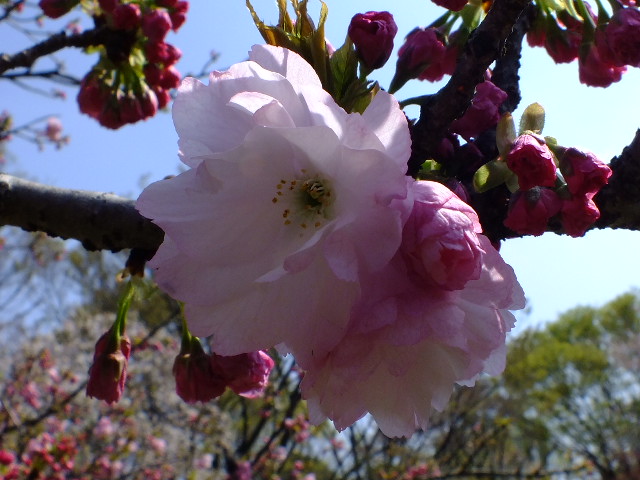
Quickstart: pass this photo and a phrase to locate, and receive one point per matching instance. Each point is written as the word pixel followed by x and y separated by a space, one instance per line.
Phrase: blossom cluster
pixel 544 193
pixel 132 81
pixel 605 45
pixel 295 226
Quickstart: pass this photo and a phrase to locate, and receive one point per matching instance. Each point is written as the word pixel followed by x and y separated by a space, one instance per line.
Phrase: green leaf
pixel 490 175
pixel 344 68
pixel 532 119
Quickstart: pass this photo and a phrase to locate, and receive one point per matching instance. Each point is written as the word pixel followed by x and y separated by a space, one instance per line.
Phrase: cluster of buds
pixel 549 183
pixel 132 79
pixel 201 377
pixel 604 44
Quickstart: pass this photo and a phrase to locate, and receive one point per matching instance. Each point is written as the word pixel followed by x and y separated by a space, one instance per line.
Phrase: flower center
pixel 307 201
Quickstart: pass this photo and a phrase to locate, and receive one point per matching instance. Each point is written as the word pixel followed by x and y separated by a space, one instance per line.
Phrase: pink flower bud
pixel 578 214
pixel 483 113
pixel 372 33
pixel 127 16
pixel 453 5
pixel 595 71
pixel 532 161
pixel 156 24
pixel 178 15
pixel 57 8
pixel 530 211
pixel 92 96
pixel 149 103
pixel 108 373
pixel 130 109
pixel 440 239
pixel 562 45
pixel 163 53
pixel 422 47
pixel 584 172
pixel 170 78
pixel 246 374
pixel 6 457
pixel 162 96
pixel 53 130
pixel 196 380
pixel 622 36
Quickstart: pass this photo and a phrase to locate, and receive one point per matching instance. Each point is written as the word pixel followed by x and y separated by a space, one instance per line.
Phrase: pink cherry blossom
pixel 407 344
pixel 269 231
pixel 596 71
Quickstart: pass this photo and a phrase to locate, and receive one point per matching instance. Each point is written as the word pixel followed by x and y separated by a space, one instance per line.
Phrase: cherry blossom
pixel 288 202
pixel 409 343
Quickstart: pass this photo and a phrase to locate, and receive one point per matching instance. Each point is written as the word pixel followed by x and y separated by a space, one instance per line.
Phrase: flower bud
pixel 372 33
pixel 622 36
pixel 246 374
pixel 196 380
pixel 422 47
pixel 530 211
pixel 57 8
pixel 584 172
pixel 532 162
pixel 453 5
pixel 483 113
pixel 596 71
pixel 156 24
pixel 578 214
pixel 108 373
pixel 179 15
pixel 441 238
pixel 127 16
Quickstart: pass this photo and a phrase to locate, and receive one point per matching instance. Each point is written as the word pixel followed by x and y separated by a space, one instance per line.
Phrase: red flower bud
pixel 127 16
pixel 530 211
pixel 578 214
pixel 179 15
pixel 532 162
pixel 246 374
pixel 196 379
pixel 454 5
pixel 57 8
pixel 108 373
pixel 584 172
pixel 372 33
pixel 156 24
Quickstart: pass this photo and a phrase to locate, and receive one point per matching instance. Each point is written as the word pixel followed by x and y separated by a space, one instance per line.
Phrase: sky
pixel 556 272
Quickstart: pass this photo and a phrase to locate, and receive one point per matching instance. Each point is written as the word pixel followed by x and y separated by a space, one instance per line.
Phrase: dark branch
pixel 482 48
pixel 619 201
pixel 26 58
pixel 101 221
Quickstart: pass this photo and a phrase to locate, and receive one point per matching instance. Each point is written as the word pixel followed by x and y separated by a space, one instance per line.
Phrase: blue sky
pixel 556 272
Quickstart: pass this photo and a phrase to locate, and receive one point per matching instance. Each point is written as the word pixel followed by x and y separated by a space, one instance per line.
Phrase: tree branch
pixel 619 201
pixel 26 58
pixel 482 48
pixel 101 221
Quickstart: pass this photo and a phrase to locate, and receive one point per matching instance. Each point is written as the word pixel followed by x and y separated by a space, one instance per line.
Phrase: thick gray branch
pixel 101 221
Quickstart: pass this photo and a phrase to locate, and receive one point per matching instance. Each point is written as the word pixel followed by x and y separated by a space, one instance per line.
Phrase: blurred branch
pixel 101 221
pixel 26 58
pixel 482 48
